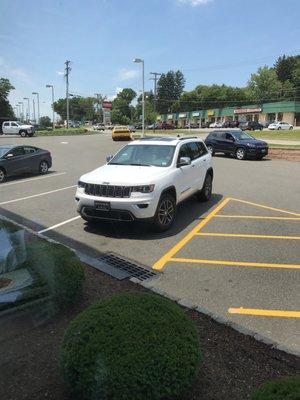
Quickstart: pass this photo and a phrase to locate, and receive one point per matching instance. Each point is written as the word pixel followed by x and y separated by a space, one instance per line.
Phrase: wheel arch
pixel 170 190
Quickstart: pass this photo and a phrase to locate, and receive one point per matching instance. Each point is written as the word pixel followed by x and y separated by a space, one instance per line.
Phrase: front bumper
pixel 257 151
pixel 121 209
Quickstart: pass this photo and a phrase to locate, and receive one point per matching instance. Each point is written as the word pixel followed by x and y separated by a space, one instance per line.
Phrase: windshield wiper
pixel 140 165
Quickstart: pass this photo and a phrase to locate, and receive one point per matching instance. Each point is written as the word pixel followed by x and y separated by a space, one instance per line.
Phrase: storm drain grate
pixel 133 269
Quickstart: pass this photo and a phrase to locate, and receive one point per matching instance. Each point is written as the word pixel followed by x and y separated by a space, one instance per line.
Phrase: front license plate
pixel 102 205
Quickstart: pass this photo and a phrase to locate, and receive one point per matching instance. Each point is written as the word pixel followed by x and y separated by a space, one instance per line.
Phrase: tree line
pixel 268 84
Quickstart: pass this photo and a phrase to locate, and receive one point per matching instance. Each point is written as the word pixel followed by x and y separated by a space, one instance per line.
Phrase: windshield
pixel 3 150
pixel 145 155
pixel 242 136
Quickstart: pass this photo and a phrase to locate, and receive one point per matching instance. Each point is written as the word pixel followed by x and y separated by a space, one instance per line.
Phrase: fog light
pixel 142 205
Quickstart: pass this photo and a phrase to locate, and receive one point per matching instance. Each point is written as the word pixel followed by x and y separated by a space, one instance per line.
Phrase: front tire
pixel 210 149
pixel 2 175
pixel 43 167
pixel 240 153
pixel 279 128
pixel 205 193
pixel 290 128
pixel 23 133
pixel 165 213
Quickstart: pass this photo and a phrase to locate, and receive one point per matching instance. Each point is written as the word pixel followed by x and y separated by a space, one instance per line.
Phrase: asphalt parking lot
pixel 237 256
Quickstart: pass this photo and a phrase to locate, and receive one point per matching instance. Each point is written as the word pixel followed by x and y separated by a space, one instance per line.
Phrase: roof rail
pixel 187 137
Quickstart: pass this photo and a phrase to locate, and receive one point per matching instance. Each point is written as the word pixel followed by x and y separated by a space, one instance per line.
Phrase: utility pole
pixel 156 75
pixel 33 105
pixel 98 104
pixel 67 71
pixel 38 106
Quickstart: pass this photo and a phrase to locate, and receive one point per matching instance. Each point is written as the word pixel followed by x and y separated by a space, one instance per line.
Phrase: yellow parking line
pixel 265 313
pixel 166 257
pixel 256 217
pixel 233 263
pixel 262 206
pixel 242 235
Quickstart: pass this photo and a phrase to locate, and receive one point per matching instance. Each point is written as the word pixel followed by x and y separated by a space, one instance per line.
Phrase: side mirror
pixel 109 157
pixel 9 155
pixel 184 161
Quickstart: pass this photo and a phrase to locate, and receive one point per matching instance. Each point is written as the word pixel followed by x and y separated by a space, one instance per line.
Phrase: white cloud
pixel 11 72
pixel 113 96
pixel 194 3
pixel 127 74
pixel 60 72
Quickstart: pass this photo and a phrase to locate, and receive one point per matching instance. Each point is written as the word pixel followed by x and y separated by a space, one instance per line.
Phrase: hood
pixel 124 175
pixel 26 126
pixel 257 142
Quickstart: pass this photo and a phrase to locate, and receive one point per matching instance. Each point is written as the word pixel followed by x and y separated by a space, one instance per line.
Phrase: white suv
pixel 146 179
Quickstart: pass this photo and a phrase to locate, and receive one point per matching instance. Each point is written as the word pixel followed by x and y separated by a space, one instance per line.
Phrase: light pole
pixel 53 122
pixel 33 112
pixel 38 106
pixel 22 104
pixel 139 60
pixel 28 105
pixel 19 110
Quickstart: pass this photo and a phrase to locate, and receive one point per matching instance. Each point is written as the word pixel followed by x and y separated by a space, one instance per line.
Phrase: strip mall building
pixel 287 111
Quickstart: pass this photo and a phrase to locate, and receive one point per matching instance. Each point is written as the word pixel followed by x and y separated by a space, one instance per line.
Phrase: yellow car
pixel 121 133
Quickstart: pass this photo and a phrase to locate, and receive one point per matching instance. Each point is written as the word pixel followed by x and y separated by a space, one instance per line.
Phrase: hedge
pixel 64 132
pixel 132 346
pixel 287 388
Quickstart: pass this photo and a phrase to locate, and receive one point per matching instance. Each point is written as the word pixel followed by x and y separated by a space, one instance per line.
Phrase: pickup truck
pixel 16 128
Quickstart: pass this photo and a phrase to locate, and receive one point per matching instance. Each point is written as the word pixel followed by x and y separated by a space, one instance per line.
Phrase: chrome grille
pixel 107 190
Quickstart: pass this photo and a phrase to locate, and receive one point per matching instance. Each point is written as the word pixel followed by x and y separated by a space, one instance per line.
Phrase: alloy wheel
pixel 43 167
pixel 240 154
pixel 2 175
pixel 166 212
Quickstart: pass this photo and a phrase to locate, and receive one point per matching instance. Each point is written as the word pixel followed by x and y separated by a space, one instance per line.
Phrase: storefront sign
pixel 170 116
pixel 106 104
pixel 182 115
pixel 210 113
pixel 247 110
pixel 196 114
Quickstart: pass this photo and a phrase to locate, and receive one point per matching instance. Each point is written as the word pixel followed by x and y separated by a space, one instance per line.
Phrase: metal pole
pixel 53 121
pixel 38 107
pixel 33 110
pixel 143 100
pixel 156 75
pixel 68 69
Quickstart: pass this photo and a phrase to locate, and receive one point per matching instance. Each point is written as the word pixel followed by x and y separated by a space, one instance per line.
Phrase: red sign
pixel 106 104
pixel 246 110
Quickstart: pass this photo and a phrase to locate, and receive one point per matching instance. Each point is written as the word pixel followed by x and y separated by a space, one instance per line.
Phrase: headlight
pixel 250 145
pixel 143 189
pixel 81 184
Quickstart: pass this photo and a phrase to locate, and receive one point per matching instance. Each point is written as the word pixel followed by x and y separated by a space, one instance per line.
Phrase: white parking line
pixel 60 224
pixel 32 179
pixel 36 195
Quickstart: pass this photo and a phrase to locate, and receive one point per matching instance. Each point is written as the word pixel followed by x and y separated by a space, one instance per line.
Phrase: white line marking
pixel 36 195
pixel 60 224
pixel 31 179
pixel 64 142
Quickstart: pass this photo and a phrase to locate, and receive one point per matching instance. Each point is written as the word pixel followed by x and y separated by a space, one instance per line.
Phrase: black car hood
pixel 253 141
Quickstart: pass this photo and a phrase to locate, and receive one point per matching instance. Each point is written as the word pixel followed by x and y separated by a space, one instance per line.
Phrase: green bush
pixel 61 270
pixel 128 347
pixel 63 132
pixel 279 389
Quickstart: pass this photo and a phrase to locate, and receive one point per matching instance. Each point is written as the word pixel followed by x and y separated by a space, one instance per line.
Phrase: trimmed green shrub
pixel 63 132
pixel 287 388
pixel 60 269
pixel 132 346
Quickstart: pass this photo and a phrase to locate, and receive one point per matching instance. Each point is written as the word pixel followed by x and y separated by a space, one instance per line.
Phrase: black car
pixel 17 160
pixel 250 126
pixel 230 124
pixel 237 143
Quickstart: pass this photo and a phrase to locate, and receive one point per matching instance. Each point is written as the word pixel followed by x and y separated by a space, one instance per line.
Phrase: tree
pixel 150 115
pixel 121 107
pixel 169 88
pixel 45 121
pixel 80 108
pixel 265 86
pixel 5 108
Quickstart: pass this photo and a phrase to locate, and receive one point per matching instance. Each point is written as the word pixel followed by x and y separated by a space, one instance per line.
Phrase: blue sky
pixel 211 41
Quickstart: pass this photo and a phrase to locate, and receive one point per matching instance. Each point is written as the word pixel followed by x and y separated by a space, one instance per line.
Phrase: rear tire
pixel 205 193
pixel 43 167
pixel 240 153
pixel 165 213
pixel 2 175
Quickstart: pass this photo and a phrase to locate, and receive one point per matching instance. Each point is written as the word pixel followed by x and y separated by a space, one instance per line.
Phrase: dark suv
pixel 250 126
pixel 237 143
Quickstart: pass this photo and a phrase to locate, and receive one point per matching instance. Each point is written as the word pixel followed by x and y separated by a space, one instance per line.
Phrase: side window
pixel 222 135
pixel 228 136
pixel 29 150
pixel 18 151
pixel 194 150
pixel 202 148
pixel 184 151
pixel 13 124
pixel 6 124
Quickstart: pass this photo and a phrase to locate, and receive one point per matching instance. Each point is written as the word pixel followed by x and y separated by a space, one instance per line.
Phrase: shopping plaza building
pixel 287 111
